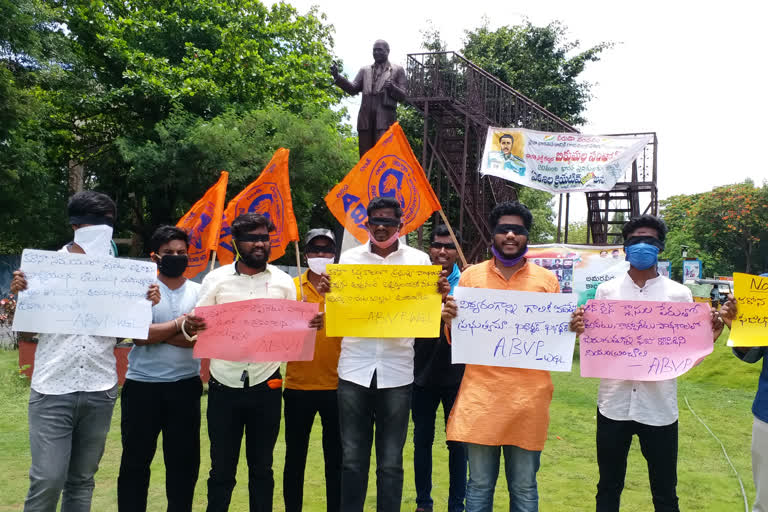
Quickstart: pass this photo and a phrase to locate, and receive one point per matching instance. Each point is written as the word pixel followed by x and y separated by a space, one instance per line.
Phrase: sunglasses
pixel 384 221
pixel 447 247
pixel 503 229
pixel 252 238
pixel 320 249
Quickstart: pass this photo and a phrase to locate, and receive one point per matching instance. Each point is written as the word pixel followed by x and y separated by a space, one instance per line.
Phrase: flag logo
pixel 270 196
pixel 396 173
pixel 197 228
pixel 269 203
pixel 391 177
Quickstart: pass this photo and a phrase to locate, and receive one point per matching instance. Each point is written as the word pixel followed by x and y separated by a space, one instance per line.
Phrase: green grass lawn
pixel 720 391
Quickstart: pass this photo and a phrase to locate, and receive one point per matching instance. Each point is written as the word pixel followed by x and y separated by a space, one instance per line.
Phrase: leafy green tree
pixel 123 91
pixel 188 153
pixel 206 56
pixel 727 226
pixel 32 163
pixel 154 57
pixel 537 61
pixel 577 233
pixel 540 203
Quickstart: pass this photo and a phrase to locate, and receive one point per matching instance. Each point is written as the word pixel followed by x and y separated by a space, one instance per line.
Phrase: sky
pixel 693 72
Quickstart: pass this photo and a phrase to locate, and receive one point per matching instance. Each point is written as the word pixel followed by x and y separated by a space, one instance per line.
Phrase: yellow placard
pixel 383 301
pixel 750 328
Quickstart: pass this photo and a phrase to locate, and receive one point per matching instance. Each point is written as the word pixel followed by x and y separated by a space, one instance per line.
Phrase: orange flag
pixel 203 223
pixel 269 195
pixel 388 169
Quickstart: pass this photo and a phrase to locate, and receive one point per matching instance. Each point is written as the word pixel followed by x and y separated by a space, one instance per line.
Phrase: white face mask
pixel 95 240
pixel 317 265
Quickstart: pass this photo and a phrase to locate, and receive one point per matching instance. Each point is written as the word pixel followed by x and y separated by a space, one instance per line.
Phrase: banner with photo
pixel 580 269
pixel 691 270
pixel 559 162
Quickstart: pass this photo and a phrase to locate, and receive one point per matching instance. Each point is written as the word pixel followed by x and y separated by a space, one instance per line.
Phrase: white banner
pixel 514 329
pixel 77 294
pixel 559 162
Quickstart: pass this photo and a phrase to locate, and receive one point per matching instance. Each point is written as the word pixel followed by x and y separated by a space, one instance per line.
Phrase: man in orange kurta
pixel 502 409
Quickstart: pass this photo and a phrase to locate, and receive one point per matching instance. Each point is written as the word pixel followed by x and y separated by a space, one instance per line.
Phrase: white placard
pixel 78 294
pixel 514 329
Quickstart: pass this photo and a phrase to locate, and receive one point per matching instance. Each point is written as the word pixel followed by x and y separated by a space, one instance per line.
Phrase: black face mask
pixel 173 265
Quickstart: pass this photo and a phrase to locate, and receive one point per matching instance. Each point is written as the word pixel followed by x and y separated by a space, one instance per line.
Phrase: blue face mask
pixel 642 256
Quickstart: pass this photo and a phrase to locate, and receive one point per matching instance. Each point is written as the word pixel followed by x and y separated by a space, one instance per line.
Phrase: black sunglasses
pixel 438 245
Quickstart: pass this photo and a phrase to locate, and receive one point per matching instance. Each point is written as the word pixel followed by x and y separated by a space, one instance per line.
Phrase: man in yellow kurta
pixel 502 409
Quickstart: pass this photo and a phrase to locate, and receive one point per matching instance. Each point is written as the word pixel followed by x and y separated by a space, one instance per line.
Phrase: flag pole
pixel 453 237
pixel 298 265
pixel 213 259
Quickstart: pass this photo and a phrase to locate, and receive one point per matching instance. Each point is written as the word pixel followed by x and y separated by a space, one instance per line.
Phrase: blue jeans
pixel 426 400
pixel 520 466
pixel 360 408
pixel 66 440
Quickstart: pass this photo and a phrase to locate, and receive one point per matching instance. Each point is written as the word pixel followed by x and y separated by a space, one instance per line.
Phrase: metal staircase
pixel 607 211
pixel 459 101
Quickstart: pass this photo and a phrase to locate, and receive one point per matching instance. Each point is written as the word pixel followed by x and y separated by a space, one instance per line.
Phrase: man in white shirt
pixel 645 408
pixel 74 383
pixel 376 376
pixel 245 396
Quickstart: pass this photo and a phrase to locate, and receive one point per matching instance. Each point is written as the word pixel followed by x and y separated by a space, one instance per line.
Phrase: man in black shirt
pixel 437 380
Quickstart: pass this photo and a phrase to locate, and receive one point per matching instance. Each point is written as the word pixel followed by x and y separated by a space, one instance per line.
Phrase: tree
pixel 726 226
pixel 121 90
pixel 242 143
pixel 152 58
pixel 533 60
pixel 577 233
pixel 32 164
pixel 537 61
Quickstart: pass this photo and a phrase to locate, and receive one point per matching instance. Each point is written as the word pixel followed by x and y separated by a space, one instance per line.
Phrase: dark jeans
pixel 424 409
pixel 232 411
pixel 659 447
pixel 359 409
pixel 66 441
pixel 149 408
pixel 300 409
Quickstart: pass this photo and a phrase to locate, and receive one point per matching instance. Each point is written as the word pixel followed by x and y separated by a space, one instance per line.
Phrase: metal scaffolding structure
pixel 458 102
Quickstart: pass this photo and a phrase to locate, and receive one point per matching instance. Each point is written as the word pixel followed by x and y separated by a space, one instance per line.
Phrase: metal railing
pixel 449 76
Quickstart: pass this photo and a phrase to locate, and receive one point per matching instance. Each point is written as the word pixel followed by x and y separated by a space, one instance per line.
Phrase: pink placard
pixel 252 331
pixel 639 340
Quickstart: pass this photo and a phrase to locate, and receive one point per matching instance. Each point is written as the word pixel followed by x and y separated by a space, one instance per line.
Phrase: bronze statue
pixel 383 84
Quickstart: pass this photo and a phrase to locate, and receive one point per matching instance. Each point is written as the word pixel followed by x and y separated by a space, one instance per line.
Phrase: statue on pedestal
pixel 383 84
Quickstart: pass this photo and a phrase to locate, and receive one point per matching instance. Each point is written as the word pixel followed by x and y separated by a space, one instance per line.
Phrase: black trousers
pixel 659 447
pixel 360 408
pixel 426 400
pixel 231 411
pixel 149 408
pixel 300 409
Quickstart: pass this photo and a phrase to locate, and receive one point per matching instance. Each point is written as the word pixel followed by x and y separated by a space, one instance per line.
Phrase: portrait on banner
pixel 507 152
